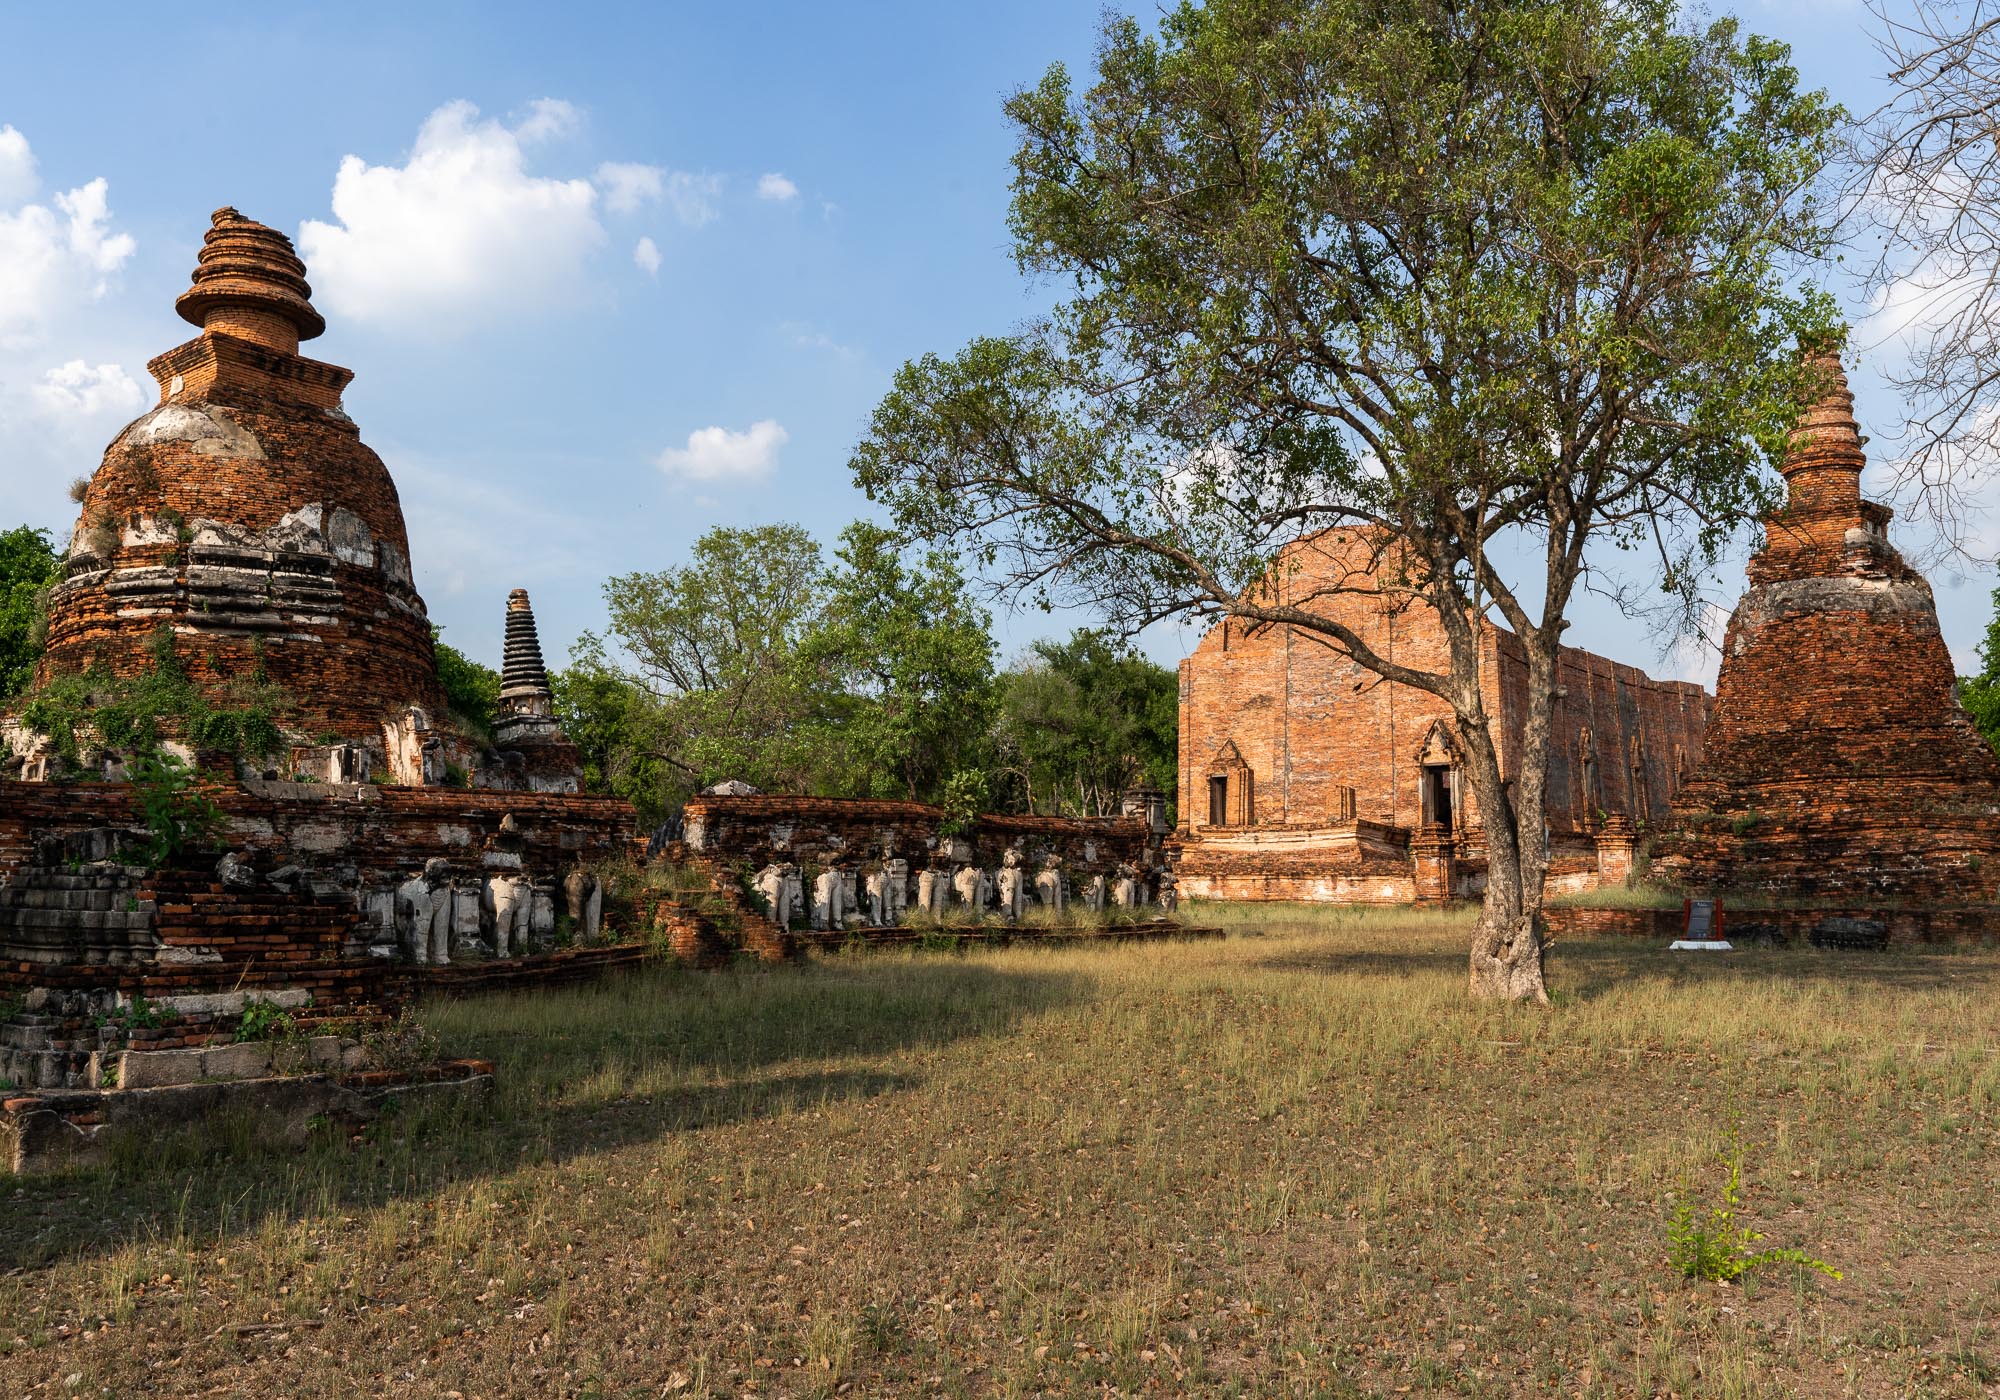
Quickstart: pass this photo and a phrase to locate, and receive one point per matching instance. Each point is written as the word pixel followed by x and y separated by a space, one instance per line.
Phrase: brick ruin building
pixel 1839 771
pixel 240 530
pixel 1305 776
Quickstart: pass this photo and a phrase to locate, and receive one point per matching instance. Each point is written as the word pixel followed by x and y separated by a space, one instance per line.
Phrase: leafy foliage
pixel 1082 721
pixel 179 816
pixel 1980 694
pixel 265 1020
pixel 964 798
pixel 909 659
pixel 239 716
pixel 1713 1245
pixel 756 659
pixel 471 689
pixel 29 563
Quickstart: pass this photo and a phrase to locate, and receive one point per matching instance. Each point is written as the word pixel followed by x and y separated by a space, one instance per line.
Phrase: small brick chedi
pixel 1839 769
pixel 1305 776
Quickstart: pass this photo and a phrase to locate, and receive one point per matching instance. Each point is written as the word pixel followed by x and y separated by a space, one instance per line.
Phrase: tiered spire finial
pixel 249 283
pixel 1825 459
pixel 524 683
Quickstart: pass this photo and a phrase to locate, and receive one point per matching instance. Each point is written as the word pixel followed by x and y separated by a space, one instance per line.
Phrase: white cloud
pixel 777 187
pixel 808 337
pixel 51 258
pixel 627 185
pixel 460 232
pixel 647 255
pixel 548 118
pixel 17 169
pixel 692 197
pixel 79 390
pixel 718 454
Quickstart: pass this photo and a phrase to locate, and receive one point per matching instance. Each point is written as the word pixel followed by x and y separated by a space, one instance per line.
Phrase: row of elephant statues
pixel 504 912
pixel 885 894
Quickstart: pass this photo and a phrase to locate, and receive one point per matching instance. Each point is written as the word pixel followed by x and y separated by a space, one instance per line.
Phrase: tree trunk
pixel 1507 946
pixel 1506 962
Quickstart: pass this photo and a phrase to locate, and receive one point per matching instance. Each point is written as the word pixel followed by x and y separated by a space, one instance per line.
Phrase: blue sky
pixel 820 191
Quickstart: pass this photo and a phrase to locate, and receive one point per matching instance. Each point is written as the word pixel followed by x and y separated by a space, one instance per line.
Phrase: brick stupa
pixel 1838 766
pixel 245 513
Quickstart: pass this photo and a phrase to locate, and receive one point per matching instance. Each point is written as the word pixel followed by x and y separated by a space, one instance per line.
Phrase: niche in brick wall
pixel 1230 798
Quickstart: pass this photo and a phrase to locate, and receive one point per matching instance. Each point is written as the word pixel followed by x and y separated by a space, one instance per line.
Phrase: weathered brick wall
pixel 353 845
pixel 1311 724
pixel 1309 721
pixel 849 834
pixel 387 833
pixel 1838 764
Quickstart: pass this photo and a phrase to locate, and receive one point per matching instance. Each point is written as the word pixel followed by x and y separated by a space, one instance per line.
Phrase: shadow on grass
pixel 580 1071
pixel 1585 969
pixel 1588 968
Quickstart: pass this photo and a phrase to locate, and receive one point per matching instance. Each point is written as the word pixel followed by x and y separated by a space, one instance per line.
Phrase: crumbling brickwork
pixel 1303 775
pixel 753 831
pixel 1839 765
pixel 245 513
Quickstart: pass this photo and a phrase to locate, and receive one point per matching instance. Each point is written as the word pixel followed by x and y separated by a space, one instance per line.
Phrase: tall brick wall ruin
pixel 1839 765
pixel 1341 767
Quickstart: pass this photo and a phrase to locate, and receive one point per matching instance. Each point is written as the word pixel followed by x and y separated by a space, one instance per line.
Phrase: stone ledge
pixel 76 1129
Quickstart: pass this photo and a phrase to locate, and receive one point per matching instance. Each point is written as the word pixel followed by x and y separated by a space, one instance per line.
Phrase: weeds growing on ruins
pixel 1497 286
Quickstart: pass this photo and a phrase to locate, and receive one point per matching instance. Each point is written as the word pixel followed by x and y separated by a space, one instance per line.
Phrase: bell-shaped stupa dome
pixel 244 515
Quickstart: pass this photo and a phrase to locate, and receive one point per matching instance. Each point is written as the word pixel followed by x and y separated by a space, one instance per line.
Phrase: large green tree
pixel 1493 282
pixel 29 563
pixel 757 659
pixel 910 658
pixel 1981 693
pixel 714 647
pixel 1084 720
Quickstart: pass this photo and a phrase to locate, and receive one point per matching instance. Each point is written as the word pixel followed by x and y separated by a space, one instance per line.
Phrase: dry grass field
pixel 1293 1162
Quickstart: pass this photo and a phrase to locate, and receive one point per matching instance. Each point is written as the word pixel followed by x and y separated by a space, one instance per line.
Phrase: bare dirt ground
pixel 1295 1162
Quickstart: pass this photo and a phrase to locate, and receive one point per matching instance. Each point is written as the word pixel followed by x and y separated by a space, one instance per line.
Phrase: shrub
pixel 1714 1246
pixel 265 1020
pixel 177 814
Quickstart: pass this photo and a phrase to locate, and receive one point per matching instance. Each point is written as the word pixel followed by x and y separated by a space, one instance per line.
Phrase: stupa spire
pixel 248 283
pixel 1824 462
pixel 524 683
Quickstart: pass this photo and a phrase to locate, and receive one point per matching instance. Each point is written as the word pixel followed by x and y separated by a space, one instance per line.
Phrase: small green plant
pixel 140 1015
pixel 265 1020
pixel 939 941
pixel 178 815
pixel 1713 1245
pixel 964 798
pixel 1742 825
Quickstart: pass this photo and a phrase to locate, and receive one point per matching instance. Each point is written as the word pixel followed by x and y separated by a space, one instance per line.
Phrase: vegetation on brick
pixel 134 713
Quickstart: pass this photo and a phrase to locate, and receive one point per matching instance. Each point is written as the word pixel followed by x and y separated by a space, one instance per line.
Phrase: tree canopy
pixel 29 563
pixel 1083 721
pixel 869 676
pixel 1488 283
